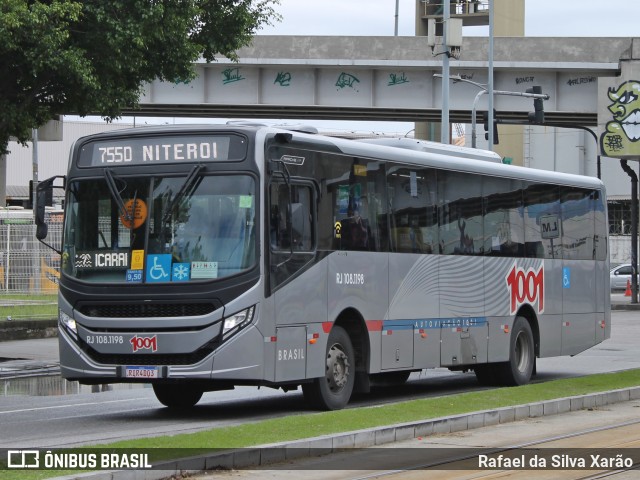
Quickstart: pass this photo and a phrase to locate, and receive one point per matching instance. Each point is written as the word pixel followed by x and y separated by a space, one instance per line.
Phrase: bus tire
pixel 177 396
pixel 519 368
pixel 333 391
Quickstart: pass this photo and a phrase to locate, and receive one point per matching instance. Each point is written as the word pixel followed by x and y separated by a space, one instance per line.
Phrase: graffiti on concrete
pixel 397 79
pixel 231 75
pixel 347 80
pixel 283 79
pixel 623 131
pixel 581 80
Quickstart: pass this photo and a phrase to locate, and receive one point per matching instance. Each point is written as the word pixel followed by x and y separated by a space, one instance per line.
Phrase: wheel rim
pixel 523 353
pixel 338 368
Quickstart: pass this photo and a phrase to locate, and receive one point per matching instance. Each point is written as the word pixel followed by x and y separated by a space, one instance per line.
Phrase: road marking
pixel 72 405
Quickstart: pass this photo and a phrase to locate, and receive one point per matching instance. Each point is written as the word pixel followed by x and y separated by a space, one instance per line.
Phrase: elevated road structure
pixel 391 79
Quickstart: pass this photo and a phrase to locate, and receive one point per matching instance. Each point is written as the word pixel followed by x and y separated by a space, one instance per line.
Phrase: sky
pixel 543 18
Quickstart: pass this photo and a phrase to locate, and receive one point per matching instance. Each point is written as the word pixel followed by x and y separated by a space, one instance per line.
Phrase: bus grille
pixel 147 310
pixel 167 359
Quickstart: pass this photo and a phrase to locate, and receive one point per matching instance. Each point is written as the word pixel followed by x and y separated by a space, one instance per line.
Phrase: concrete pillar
pixel 508 22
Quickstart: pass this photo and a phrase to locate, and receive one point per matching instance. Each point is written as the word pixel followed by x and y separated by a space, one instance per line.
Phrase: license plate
pixel 141 372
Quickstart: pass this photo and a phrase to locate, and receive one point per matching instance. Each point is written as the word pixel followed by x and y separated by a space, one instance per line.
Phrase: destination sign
pixel 163 149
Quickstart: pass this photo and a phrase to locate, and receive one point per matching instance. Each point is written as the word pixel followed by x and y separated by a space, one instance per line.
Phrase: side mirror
pixel 41 231
pixel 44 197
pixel 41 203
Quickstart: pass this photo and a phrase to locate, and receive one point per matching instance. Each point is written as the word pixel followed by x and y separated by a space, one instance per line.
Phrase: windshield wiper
pixel 188 183
pixel 115 194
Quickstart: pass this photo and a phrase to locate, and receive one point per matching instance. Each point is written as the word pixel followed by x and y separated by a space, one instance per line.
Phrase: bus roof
pixel 412 151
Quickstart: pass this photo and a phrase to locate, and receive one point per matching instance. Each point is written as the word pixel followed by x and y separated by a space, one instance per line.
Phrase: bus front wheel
pixel 177 396
pixel 519 368
pixel 333 391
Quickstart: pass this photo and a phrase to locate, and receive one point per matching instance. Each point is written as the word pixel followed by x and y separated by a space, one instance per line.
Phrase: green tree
pixel 94 56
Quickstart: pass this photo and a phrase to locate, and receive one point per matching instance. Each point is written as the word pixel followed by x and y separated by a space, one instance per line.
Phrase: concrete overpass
pixel 391 79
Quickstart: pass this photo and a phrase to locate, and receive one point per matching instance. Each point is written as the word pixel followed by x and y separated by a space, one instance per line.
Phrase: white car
pixel 619 276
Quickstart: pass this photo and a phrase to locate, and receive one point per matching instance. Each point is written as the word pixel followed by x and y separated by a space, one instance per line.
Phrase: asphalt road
pixel 46 412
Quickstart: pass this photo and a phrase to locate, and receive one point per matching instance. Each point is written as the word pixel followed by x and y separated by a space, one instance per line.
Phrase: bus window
pixel 290 224
pixel 460 202
pixel 542 221
pixel 413 218
pixel 503 221
pixel 601 240
pixel 357 193
pixel 577 224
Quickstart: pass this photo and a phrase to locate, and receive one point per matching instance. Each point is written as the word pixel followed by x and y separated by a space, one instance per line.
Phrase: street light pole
pixel 490 76
pixel 395 30
pixel 444 126
pixel 483 90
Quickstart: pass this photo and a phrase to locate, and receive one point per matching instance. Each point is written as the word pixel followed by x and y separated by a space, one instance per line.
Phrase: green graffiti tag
pixel 283 79
pixel 347 80
pixel 623 131
pixel 397 79
pixel 231 75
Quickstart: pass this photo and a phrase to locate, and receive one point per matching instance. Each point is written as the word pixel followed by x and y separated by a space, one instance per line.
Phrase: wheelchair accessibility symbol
pixel 159 268
pixel 566 277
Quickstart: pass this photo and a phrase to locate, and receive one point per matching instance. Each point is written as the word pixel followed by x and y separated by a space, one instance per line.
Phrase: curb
pixel 260 456
pixel 28 329
pixel 625 306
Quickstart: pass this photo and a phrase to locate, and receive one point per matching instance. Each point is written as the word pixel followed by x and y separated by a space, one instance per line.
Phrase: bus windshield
pixel 159 229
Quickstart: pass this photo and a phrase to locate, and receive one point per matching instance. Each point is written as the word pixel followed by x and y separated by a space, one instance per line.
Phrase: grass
pixel 296 427
pixel 28 307
pixel 301 426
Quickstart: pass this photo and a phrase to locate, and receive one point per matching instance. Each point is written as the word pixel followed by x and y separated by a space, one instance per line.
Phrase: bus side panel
pixel 302 301
pixel 462 310
pixel 497 306
pixel 360 281
pixel 603 302
pixel 579 305
pixel 550 320
pixel 415 303
pixel 501 291
pixel 266 325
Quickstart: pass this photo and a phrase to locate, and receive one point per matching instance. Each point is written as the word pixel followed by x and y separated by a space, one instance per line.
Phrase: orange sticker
pixel 139 213
pixel 137 259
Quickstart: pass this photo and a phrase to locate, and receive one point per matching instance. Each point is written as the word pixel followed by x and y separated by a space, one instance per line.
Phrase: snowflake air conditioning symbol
pixel 180 272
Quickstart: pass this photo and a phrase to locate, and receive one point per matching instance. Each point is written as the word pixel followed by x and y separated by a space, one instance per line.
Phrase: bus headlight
pixel 236 322
pixel 68 322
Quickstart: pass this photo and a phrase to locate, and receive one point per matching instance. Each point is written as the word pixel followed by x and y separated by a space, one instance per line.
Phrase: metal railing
pixel 27 266
pixel 458 7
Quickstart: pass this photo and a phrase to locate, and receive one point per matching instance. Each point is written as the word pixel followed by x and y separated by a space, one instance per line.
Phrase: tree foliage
pixel 94 56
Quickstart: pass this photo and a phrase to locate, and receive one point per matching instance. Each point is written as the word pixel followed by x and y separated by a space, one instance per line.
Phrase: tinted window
pixel 503 217
pixel 460 205
pixel 542 221
pixel 291 217
pixel 577 224
pixel 600 225
pixel 413 210
pixel 358 204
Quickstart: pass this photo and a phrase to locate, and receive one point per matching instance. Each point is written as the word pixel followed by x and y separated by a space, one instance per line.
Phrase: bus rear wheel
pixel 333 391
pixel 177 396
pixel 519 368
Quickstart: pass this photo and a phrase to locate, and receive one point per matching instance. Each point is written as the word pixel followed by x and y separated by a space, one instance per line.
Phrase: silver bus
pixel 198 258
